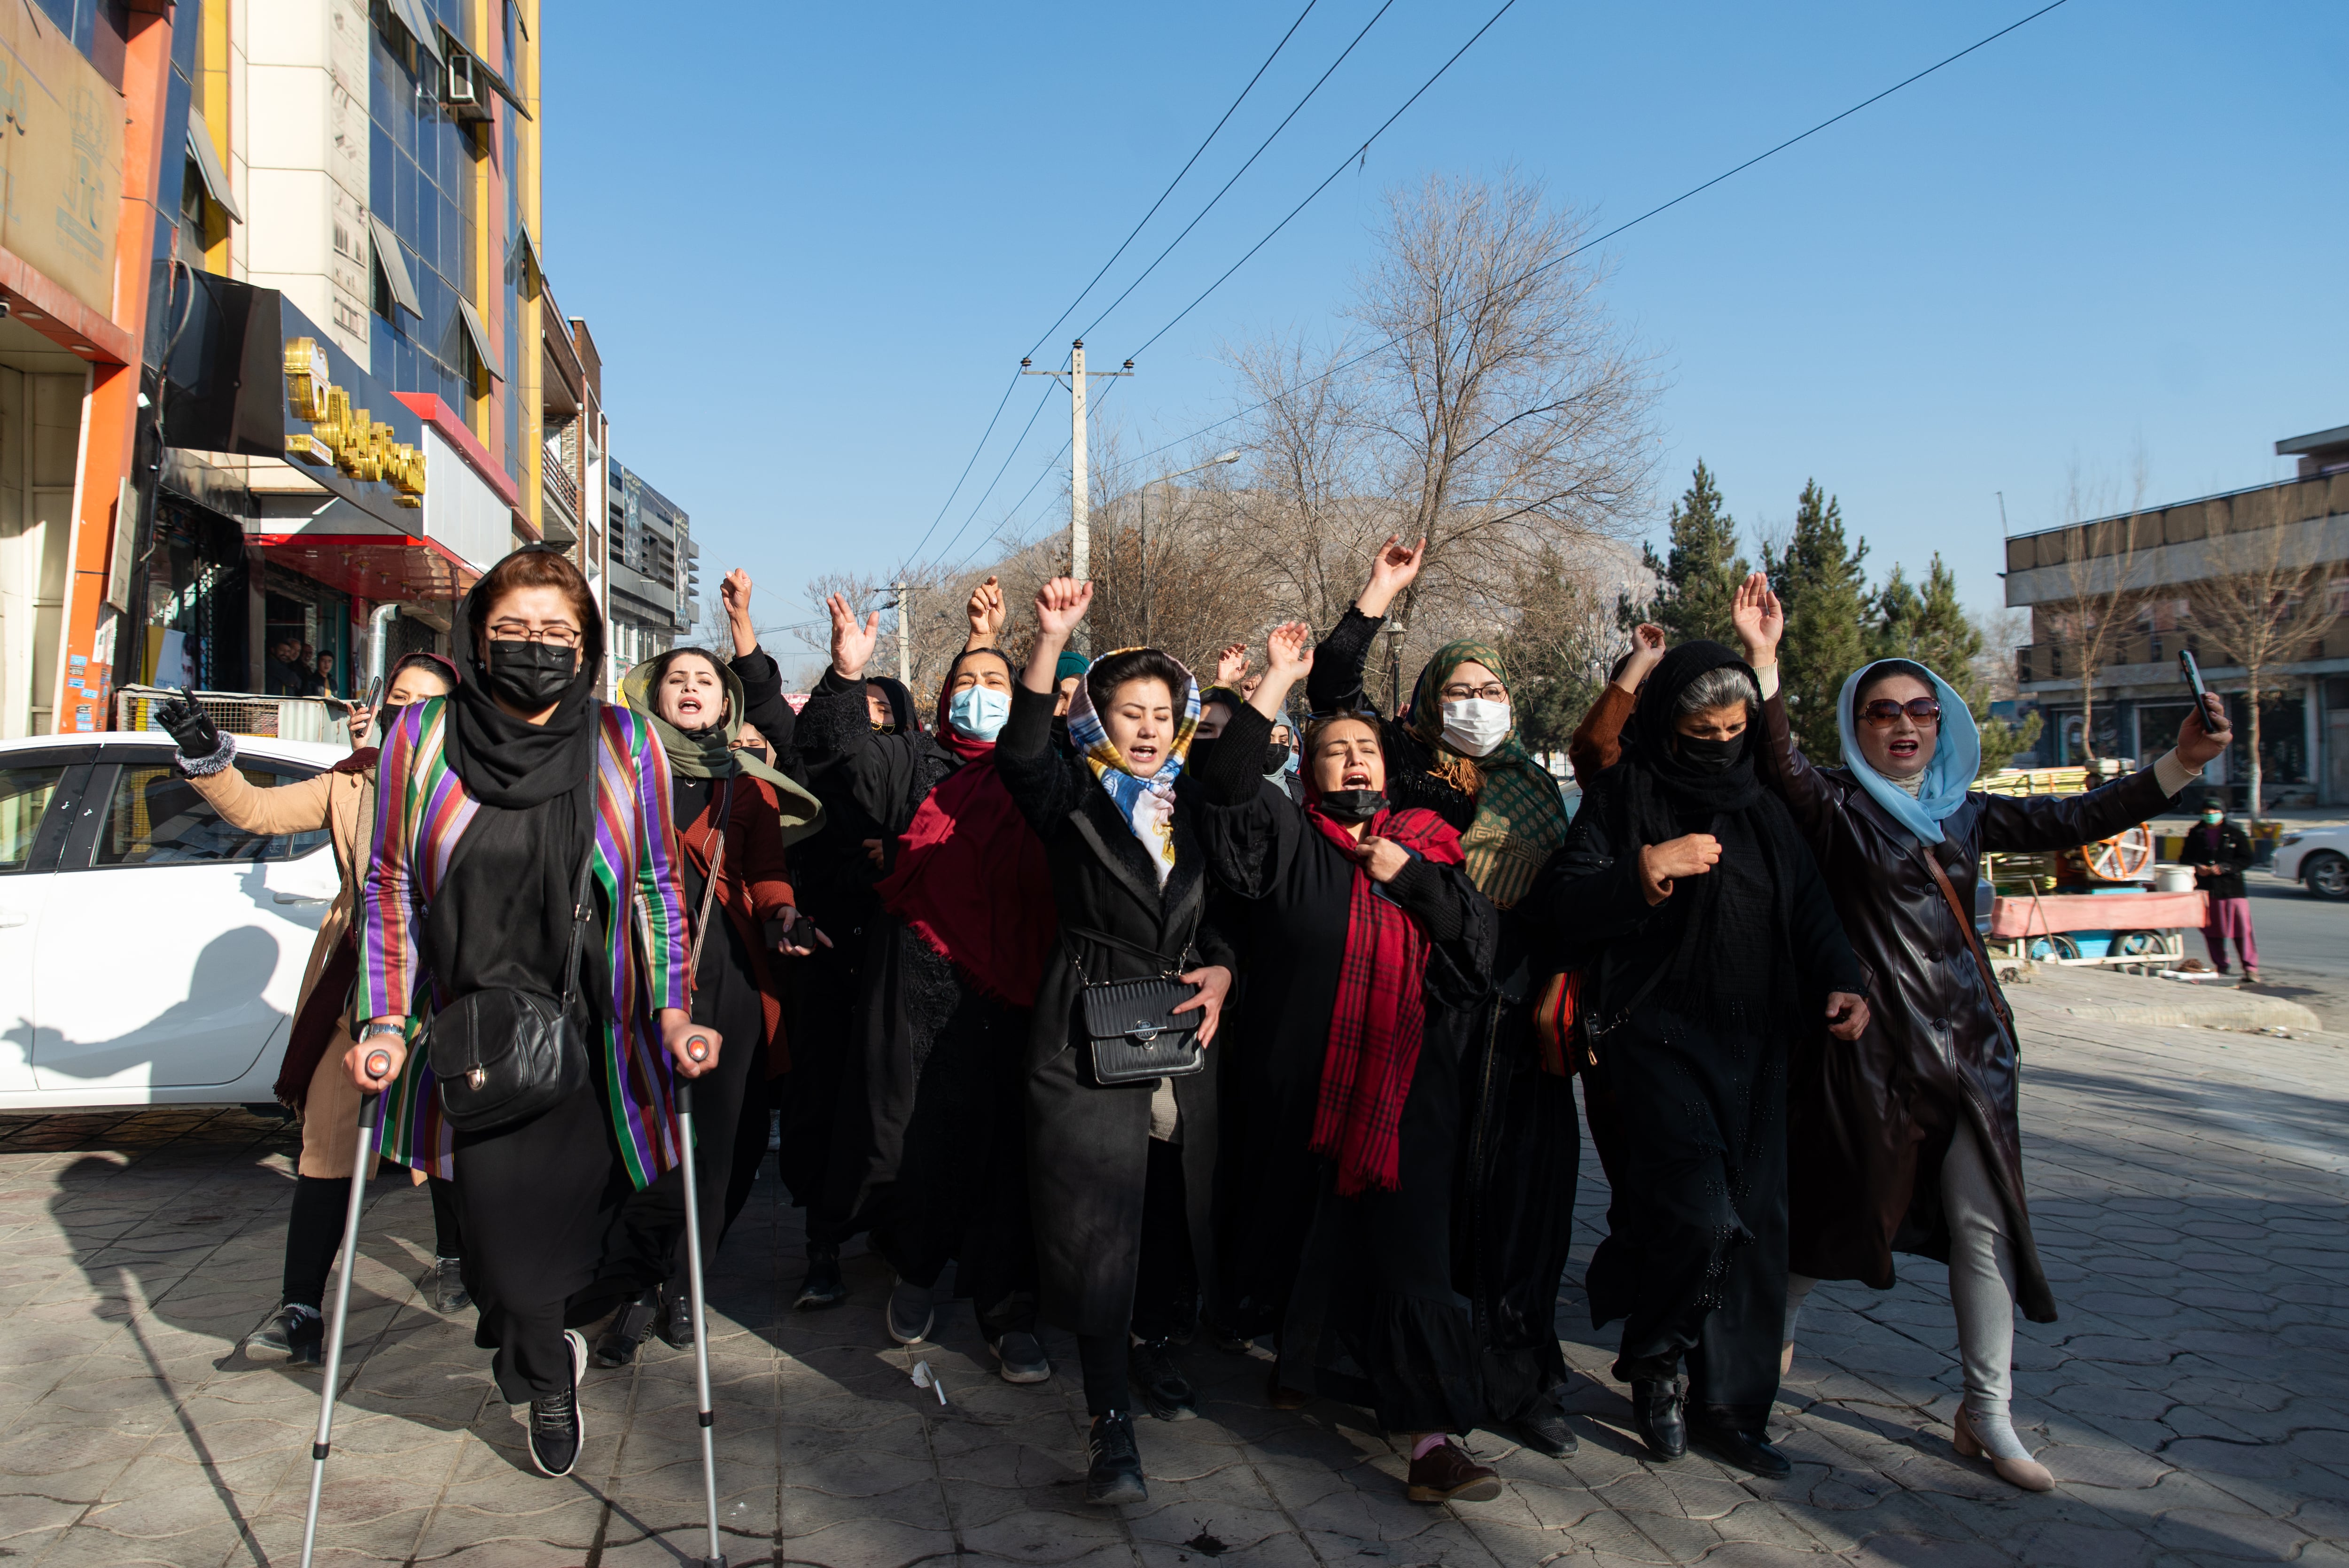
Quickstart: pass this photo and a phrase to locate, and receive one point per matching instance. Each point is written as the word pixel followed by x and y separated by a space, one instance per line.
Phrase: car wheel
pixel 2326 875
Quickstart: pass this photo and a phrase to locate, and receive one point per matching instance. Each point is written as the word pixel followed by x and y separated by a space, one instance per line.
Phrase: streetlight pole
pixel 1230 456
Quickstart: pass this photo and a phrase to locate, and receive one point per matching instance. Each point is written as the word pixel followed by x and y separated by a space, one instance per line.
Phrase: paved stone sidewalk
pixel 2189 1185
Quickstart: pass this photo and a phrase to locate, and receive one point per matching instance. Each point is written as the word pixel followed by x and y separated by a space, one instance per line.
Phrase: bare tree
pixel 934 625
pixel 2100 571
pixel 2268 596
pixel 1309 523
pixel 1504 410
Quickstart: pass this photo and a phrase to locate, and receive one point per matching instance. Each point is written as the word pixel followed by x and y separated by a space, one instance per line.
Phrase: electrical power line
pixel 1620 227
pixel 1242 170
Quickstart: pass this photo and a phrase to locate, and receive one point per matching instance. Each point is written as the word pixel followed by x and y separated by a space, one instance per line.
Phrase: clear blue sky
pixel 813 242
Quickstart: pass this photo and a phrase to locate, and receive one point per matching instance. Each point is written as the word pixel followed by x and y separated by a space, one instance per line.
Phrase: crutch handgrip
pixel 696 1047
pixel 378 1065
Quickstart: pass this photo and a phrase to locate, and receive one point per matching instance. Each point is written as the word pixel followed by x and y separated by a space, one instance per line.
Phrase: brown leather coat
pixel 1869 1122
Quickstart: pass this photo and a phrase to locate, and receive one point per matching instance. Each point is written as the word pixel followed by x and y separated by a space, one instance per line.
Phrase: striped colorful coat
pixel 423 810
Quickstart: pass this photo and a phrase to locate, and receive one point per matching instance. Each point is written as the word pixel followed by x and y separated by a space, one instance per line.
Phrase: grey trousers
pixel 1982 1277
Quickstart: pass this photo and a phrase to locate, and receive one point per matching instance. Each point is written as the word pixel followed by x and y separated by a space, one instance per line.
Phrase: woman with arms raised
pixel 500 802
pixel 1911 1138
pixel 927 1141
pixel 1688 897
pixel 1361 1030
pixel 1120 1174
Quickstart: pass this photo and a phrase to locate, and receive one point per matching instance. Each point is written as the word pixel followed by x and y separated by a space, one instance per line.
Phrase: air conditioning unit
pixel 463 90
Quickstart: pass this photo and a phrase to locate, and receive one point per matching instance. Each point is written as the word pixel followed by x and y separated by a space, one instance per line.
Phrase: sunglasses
pixel 1884 713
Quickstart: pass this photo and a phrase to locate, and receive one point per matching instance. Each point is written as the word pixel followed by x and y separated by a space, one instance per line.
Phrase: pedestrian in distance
pixel 312 1082
pixel 1121 1171
pixel 1908 1137
pixel 1354 1051
pixel 927 1145
pixel 2220 853
pixel 1687 897
pixel 734 816
pixel 528 825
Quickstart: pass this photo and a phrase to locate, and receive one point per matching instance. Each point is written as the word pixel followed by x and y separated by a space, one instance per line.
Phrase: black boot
pixel 677 1315
pixel 1657 1409
pixel 1166 1392
pixel 1114 1476
pixel 1543 1429
pixel 1739 1437
pixel 822 1287
pixel 619 1344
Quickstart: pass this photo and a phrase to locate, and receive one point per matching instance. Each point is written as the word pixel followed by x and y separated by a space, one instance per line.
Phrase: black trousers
pixel 1166 1285
pixel 314 1232
pixel 540 1203
pixel 826 989
pixel 651 1249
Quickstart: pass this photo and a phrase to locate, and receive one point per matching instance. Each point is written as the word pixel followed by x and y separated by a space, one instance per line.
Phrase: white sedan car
pixel 2317 859
pixel 150 952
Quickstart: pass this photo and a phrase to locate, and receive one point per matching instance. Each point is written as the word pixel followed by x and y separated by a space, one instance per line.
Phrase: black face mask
pixel 530 675
pixel 1202 747
pixel 1276 757
pixel 1063 747
pixel 1712 755
pixel 1352 805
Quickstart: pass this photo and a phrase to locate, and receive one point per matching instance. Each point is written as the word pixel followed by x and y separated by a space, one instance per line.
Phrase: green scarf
pixel 709 753
pixel 1520 820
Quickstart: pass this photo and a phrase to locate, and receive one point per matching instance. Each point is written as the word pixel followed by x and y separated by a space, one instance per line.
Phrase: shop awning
pixel 395 266
pixel 481 336
pixel 377 566
pixel 210 170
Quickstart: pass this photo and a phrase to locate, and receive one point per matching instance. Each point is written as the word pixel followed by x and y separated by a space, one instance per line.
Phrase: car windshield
pixel 156 818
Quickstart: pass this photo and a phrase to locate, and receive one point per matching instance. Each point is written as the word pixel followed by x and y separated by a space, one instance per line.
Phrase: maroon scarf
pixel 970 877
pixel 1377 1023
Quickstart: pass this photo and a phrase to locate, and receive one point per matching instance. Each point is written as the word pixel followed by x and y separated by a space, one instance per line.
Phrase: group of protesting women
pixel 1156 1015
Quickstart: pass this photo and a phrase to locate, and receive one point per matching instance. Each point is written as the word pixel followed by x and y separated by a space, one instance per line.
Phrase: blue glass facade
pixel 419 167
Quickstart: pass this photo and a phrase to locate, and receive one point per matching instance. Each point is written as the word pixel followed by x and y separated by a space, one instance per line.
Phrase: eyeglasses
pixel 1491 691
pixel 1884 713
pixel 558 636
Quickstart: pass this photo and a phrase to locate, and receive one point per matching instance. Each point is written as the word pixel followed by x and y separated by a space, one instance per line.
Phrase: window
pixel 23 800
pixel 156 818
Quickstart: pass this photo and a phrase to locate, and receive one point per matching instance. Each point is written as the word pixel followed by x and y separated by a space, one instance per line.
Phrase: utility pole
pixel 905 591
pixel 1080 533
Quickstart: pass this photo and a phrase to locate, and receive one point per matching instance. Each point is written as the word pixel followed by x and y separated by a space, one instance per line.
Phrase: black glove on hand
pixel 189 725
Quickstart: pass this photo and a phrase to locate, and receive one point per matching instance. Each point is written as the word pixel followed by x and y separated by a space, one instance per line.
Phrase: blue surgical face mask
pixel 979 713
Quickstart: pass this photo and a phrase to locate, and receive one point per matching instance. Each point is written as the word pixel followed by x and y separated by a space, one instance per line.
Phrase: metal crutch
pixel 378 1066
pixel 697 1046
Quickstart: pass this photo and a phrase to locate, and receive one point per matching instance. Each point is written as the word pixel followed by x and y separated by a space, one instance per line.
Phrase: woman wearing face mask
pixel 1689 898
pixel 1120 1175
pixel 2220 853
pixel 927 1145
pixel 734 814
pixel 312 1082
pixel 495 798
pixel 1363 1021
pixel 1911 1138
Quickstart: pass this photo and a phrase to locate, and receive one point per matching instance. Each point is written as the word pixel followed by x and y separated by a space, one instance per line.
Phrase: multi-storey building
pixel 654 580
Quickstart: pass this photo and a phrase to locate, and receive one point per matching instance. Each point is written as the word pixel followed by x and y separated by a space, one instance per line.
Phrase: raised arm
pixel 835 741
pixel 1335 685
pixel 1761 622
pixel 2027 823
pixel 1044 787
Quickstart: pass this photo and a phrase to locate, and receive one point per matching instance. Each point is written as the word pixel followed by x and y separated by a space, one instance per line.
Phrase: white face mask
pixel 978 712
pixel 1474 726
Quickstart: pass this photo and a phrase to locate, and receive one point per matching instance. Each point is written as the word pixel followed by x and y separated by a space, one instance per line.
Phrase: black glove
pixel 189 725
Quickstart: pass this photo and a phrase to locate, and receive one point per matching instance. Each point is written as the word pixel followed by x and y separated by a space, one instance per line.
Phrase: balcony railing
pixel 560 484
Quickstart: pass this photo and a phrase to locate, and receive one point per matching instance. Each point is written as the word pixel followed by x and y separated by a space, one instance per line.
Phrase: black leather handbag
pixel 1136 1032
pixel 502 1056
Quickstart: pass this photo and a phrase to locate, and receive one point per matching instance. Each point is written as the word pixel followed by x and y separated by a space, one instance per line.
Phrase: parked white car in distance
pixel 2317 859
pixel 150 952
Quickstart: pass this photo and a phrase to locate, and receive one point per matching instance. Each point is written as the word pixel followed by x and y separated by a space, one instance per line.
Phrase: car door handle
pixel 301 898
pixel 13 917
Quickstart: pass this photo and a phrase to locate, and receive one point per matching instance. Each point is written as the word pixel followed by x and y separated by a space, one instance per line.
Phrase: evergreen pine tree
pixel 1933 629
pixel 1824 589
pixel 1697 578
pixel 1556 660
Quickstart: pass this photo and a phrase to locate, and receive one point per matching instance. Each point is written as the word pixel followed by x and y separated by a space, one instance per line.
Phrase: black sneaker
pixel 557 1430
pixel 1020 1356
pixel 1166 1392
pixel 297 1332
pixel 822 1287
pixel 447 1284
pixel 619 1344
pixel 912 1313
pixel 1115 1475
pixel 676 1318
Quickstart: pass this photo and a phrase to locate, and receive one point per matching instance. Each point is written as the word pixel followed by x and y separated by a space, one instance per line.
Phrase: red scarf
pixel 970 878
pixel 1378 1024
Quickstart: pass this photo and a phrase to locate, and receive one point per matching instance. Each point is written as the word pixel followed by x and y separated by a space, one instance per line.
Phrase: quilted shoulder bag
pixel 502 1055
pixel 1135 1030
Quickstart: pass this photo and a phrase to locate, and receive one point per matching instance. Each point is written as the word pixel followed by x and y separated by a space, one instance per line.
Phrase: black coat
pixel 1872 1118
pixel 1334 685
pixel 2227 848
pixel 1088 1144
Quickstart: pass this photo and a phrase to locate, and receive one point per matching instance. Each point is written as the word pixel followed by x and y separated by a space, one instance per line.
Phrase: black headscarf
pixel 900 700
pixel 510 762
pixel 1723 952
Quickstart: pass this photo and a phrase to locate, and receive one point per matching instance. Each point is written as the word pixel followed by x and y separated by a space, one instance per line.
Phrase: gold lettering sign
pixel 342 436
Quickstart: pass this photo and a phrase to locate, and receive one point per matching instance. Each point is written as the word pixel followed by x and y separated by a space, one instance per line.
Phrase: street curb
pixel 2107 998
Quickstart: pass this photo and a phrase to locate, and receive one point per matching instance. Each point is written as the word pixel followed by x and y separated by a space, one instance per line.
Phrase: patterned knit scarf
pixel 1520 820
pixel 1380 1018
pixel 1147 804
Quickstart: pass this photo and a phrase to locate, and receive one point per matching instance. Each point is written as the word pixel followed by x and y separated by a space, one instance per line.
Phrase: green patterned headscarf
pixel 710 753
pixel 1520 820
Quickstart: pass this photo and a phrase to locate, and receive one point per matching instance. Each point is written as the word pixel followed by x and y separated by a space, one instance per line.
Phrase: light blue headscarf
pixel 1957 757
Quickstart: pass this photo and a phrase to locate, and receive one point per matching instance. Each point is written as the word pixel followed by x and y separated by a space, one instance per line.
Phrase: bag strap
pixel 710 886
pixel 1167 966
pixel 1966 931
pixel 578 924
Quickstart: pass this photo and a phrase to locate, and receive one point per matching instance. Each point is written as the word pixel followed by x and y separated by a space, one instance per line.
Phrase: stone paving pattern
pixel 2194 1399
